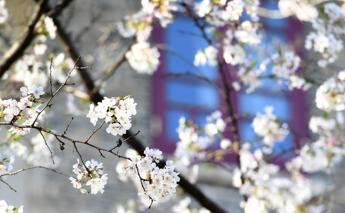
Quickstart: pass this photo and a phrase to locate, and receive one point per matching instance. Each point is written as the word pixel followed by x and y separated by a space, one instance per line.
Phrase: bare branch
pixel 26 169
pixel 67 127
pixel 31 168
pixel 48 147
pixel 7 184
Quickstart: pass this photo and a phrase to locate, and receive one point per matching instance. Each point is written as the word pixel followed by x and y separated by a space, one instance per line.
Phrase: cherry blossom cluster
pixel 266 190
pixel 194 140
pixel 89 177
pixel 161 10
pixel 326 39
pixel 330 96
pixel 233 46
pixel 320 155
pixel 5 208
pixel 137 25
pixel 234 42
pixel 208 56
pixel 328 149
pixel 143 57
pixel 269 128
pixel 248 76
pixel 23 111
pixel 284 63
pixel 33 69
pixel 21 115
pixel 219 13
pixel 302 9
pixel 157 184
pixel 116 112
pixel 45 29
pixel 285 66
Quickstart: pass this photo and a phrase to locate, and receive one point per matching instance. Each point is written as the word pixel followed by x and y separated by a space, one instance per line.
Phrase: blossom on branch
pixel 162 9
pixel 268 127
pixel 157 183
pixel 330 96
pixel 326 40
pixel 138 25
pixel 143 58
pixel 24 111
pixel 116 112
pixel 89 177
pixel 303 9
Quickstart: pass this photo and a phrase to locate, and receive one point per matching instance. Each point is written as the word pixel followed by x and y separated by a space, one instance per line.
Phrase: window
pixel 176 94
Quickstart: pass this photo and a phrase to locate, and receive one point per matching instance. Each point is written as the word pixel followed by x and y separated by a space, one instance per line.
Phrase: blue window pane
pixel 270 84
pixel 274 23
pixel 192 94
pixel 172 118
pixel 253 103
pixel 183 41
pixel 201 119
pixel 282 146
pixel 271 4
pixel 273 86
pixel 246 132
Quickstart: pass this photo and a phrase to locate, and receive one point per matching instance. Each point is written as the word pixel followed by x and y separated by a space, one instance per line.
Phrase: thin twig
pixel 48 147
pixel 67 127
pixel 7 184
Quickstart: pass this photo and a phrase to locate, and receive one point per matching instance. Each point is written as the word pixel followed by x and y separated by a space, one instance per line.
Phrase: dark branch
pixel 19 47
pixel 133 142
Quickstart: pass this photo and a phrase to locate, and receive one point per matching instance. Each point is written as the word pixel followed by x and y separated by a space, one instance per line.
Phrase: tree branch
pixel 19 47
pixel 133 142
pixel 64 37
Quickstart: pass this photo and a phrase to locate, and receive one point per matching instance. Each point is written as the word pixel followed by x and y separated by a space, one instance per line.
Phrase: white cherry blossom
pixel 116 112
pixel 5 208
pixel 330 96
pixel 268 127
pixel 89 177
pixel 143 58
pixel 159 184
